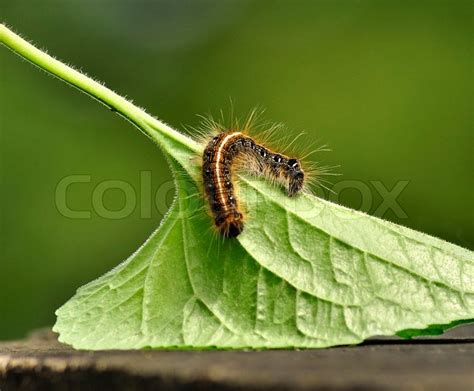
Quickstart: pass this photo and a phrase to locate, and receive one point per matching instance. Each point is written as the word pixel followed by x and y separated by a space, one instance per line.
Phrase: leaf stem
pixel 155 129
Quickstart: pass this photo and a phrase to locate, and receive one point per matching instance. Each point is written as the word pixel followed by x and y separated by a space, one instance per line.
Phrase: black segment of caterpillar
pixel 219 158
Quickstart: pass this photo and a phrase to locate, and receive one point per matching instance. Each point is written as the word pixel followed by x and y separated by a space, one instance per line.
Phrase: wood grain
pixel 40 362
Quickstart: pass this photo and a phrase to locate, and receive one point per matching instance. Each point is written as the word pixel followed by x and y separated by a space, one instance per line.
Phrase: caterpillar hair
pixel 219 160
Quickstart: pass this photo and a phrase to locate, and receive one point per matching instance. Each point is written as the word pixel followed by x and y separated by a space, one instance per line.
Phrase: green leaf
pixel 304 272
pixel 434 329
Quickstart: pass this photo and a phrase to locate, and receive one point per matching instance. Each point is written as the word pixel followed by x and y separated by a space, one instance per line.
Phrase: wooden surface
pixel 40 362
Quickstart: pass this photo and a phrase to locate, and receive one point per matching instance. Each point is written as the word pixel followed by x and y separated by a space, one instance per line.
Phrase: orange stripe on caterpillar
pixel 219 159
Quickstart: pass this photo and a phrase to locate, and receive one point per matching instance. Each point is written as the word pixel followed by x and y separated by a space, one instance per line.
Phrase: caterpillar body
pixel 220 159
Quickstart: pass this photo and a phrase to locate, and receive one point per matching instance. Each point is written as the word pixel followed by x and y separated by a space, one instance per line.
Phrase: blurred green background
pixel 386 84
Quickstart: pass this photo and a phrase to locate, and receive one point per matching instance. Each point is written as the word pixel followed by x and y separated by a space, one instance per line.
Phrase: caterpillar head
pixel 295 175
pixel 230 224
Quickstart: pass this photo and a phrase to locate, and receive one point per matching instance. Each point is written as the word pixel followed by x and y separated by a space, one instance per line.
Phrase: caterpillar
pixel 218 165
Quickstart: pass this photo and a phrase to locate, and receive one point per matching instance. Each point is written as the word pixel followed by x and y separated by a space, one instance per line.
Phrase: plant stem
pixel 152 127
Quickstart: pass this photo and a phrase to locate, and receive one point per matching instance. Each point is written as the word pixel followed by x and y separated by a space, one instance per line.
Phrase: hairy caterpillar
pixel 219 159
